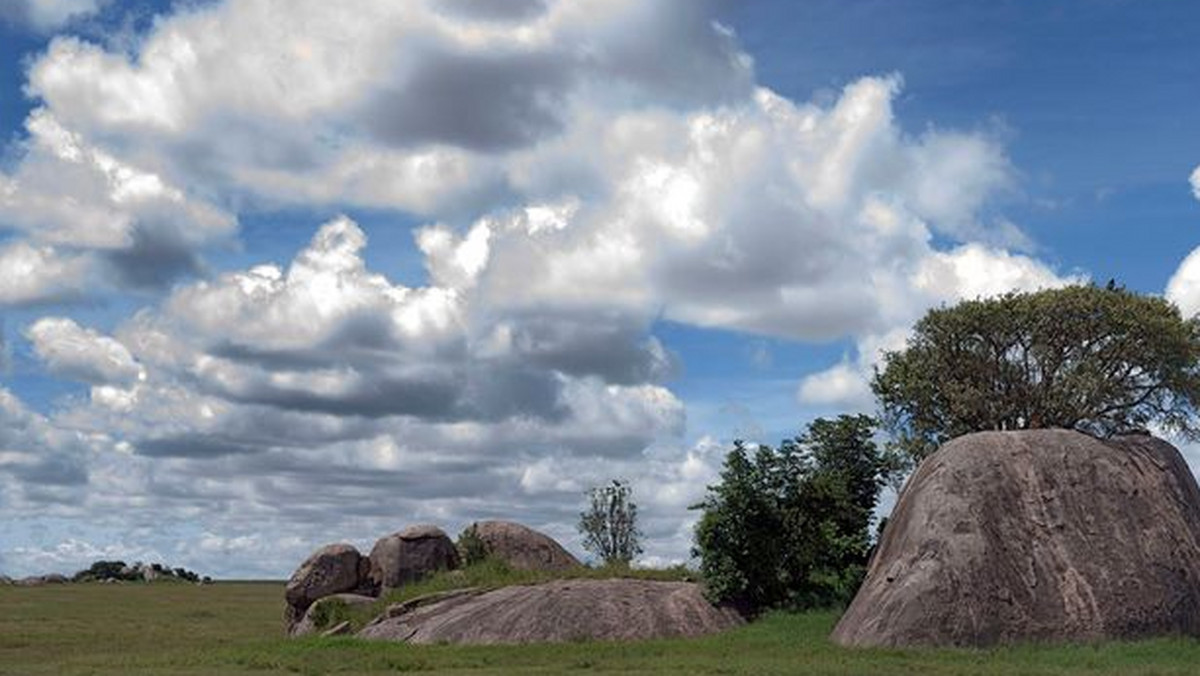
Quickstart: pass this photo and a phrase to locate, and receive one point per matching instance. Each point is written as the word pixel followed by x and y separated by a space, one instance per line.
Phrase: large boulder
pixel 1040 535
pixel 522 547
pixel 333 569
pixel 409 555
pixel 559 611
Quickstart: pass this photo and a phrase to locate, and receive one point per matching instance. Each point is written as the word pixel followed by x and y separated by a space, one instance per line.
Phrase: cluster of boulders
pixel 342 574
pixel 338 576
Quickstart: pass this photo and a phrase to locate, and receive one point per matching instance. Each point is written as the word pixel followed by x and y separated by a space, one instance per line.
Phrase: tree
pixel 790 527
pixel 471 548
pixel 609 525
pixel 1099 360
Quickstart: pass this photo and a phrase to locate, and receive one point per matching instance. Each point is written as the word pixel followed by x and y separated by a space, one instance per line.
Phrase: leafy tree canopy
pixel 1100 360
pixel 609 524
pixel 790 527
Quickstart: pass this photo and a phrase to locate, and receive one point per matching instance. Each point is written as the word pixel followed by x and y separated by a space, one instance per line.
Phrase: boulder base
pixel 523 548
pixel 1039 535
pixel 563 610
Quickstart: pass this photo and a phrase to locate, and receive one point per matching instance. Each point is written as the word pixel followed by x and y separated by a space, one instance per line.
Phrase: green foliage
pixel 106 570
pixel 609 525
pixel 471 548
pixel 1100 360
pixel 330 612
pixel 790 527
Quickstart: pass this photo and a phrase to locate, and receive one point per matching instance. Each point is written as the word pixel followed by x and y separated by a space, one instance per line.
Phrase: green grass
pixel 236 628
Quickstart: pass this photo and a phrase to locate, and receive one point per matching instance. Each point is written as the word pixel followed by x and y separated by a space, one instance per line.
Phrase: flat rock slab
pixel 559 611
pixel 1040 535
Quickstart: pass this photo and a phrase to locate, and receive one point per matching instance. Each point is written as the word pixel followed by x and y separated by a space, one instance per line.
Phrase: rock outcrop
pixel 522 547
pixel 333 569
pixel 409 555
pixel 41 580
pixel 1040 535
pixel 563 610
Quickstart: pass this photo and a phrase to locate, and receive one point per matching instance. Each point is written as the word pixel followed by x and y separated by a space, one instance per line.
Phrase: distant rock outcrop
pixel 1040 535
pixel 41 580
pixel 409 555
pixel 563 610
pixel 522 547
pixel 333 569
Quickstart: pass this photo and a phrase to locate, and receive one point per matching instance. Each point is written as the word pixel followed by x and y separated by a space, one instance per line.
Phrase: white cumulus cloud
pixel 75 352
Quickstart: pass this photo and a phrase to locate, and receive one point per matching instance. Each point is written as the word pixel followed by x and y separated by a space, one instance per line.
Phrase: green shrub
pixel 471 547
pixel 330 612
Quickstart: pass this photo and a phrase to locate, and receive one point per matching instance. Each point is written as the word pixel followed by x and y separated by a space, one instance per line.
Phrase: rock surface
pixel 563 610
pixel 332 569
pixel 1039 535
pixel 308 624
pixel 409 555
pixel 522 547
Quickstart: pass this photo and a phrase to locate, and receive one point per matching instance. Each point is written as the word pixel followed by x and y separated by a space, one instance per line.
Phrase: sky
pixel 275 274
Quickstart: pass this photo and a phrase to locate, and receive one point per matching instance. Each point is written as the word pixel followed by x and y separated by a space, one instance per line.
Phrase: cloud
pixel 493 11
pixel 800 221
pixel 969 271
pixel 34 275
pixel 582 169
pixel 484 103
pixel 41 458
pixel 1183 289
pixel 119 226
pixel 74 352
pixel 50 15
pixel 289 102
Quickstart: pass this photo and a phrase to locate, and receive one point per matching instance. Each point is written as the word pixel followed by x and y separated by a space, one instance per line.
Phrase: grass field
pixel 235 628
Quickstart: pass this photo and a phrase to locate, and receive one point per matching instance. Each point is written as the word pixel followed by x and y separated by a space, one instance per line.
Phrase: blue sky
pixel 279 274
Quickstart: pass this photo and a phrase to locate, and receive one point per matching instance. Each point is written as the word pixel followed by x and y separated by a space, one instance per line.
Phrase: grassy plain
pixel 235 628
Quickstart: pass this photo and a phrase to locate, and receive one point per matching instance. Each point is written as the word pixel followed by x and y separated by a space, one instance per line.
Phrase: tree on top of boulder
pixel 1103 361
